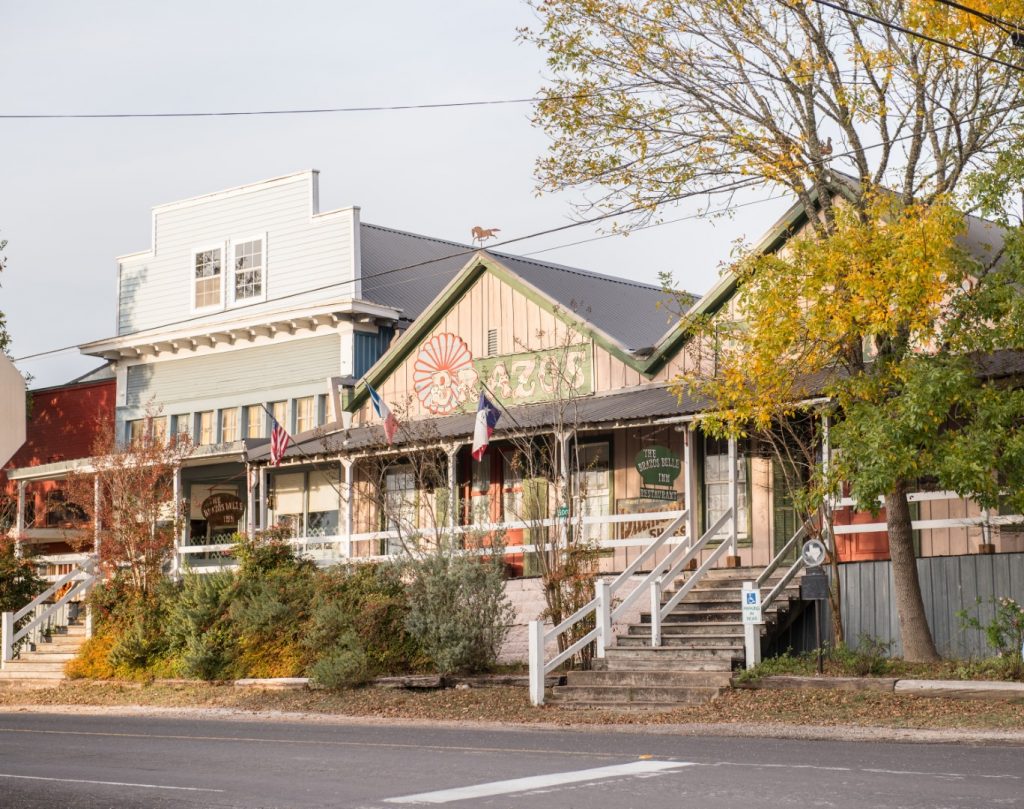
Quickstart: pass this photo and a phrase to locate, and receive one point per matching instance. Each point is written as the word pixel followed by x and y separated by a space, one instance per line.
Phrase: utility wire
pixel 920 35
pixel 734 186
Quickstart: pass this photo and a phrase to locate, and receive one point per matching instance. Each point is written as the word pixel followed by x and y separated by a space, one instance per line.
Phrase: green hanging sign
pixel 658 466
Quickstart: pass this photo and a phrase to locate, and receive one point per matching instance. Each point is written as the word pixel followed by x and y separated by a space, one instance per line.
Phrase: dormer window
pixel 247 263
pixel 207 279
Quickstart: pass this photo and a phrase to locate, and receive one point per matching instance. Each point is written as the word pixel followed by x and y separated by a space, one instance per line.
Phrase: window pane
pixel 204 428
pixel 248 265
pixel 254 421
pixel 304 414
pixel 229 425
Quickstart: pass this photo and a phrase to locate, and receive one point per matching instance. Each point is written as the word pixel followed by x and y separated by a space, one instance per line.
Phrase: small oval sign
pixel 222 509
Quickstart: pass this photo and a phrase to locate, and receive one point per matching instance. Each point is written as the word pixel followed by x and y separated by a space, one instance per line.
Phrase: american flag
pixel 279 441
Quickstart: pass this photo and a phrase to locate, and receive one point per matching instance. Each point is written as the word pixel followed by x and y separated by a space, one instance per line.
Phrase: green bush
pixel 458 609
pixel 869 659
pixel 345 665
pixel 196 625
pixel 1004 633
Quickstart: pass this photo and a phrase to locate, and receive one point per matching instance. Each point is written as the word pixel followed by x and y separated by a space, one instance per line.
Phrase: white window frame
pixel 230 251
pixel 223 247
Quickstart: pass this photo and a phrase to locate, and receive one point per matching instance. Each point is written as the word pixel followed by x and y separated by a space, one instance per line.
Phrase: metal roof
pixel 639 404
pixel 625 310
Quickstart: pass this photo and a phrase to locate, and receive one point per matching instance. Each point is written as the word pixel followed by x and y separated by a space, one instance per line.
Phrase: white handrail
pixel 601 605
pixel 770 568
pixel 658 611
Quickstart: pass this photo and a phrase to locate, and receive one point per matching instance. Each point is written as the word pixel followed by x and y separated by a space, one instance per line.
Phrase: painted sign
pixel 539 376
pixel 222 510
pixel 658 466
pixel 669 495
pixel 813 552
pixel 443 375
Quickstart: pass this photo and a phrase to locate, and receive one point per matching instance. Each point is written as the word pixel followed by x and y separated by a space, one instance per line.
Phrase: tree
pixel 653 101
pixel 134 504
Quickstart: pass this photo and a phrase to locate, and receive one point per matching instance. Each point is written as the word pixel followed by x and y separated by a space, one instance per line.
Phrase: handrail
pixel 81 587
pixel 8 620
pixel 49 591
pixel 637 563
pixel 801 532
pixel 660 611
pixel 787 577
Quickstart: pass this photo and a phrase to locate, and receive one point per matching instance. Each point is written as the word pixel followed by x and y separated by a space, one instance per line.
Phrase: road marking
pixel 540 782
pixel 106 783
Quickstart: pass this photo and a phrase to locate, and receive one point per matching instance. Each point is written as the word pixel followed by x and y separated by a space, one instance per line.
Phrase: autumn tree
pixel 653 101
pixel 129 493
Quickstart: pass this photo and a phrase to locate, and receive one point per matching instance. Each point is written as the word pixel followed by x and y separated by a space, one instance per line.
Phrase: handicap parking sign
pixel 751 597
pixel 751 606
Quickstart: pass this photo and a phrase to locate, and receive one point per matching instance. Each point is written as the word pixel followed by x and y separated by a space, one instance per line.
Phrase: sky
pixel 74 194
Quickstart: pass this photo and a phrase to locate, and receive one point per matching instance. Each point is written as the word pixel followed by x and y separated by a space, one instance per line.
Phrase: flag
pixel 384 412
pixel 279 441
pixel 487 416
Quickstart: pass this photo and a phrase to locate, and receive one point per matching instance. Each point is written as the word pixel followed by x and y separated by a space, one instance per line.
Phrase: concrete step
pixel 22 664
pixel 26 683
pixel 650 677
pixel 663 659
pixel 705 648
pixel 29 674
pixel 44 655
pixel 730 595
pixel 623 694
pixel 711 628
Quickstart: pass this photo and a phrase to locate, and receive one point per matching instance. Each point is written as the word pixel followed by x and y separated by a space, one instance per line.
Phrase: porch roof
pixel 642 404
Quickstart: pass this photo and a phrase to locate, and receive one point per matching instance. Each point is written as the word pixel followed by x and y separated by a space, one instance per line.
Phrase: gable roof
pixel 627 311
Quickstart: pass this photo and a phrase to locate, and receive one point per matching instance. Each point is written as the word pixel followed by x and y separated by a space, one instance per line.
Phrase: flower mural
pixel 443 375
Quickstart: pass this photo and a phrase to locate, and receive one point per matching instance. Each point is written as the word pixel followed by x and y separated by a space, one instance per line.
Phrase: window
pixel 305 414
pixel 136 430
pixel 322 512
pixel 229 425
pixel 254 421
pixel 158 430
pixel 207 278
pixel 289 495
pixel 279 410
pixel 247 270
pixel 204 427
pixel 716 484
pixel 400 506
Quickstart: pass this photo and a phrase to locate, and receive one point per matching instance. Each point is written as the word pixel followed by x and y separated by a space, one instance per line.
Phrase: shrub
pixel 19 583
pixel 346 665
pixel 869 659
pixel 93 659
pixel 458 609
pixel 197 631
pixel 1004 633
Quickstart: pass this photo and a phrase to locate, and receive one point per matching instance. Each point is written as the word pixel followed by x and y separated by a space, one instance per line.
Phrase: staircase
pixel 702 642
pixel 43 667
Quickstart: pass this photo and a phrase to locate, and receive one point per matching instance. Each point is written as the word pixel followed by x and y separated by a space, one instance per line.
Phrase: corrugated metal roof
pixel 634 405
pixel 625 310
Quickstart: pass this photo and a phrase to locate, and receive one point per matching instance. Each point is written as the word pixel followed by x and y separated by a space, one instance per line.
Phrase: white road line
pixel 540 782
pixel 106 783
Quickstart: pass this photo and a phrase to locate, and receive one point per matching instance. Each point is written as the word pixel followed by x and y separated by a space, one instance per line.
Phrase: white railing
pixel 675 566
pixel 601 607
pixel 44 617
pixel 337 548
pixel 752 632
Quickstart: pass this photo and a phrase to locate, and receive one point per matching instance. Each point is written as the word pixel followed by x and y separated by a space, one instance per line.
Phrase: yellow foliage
pixel 93 660
pixel 278 658
pixel 887 274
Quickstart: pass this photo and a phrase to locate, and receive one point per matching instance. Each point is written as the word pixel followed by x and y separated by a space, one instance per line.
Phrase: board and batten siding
pixel 304 251
pixel 230 378
pixel 522 326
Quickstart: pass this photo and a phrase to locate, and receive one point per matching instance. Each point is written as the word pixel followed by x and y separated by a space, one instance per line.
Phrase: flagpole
pixel 500 404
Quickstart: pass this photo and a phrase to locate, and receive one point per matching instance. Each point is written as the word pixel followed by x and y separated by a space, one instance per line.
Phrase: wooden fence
pixel 948 584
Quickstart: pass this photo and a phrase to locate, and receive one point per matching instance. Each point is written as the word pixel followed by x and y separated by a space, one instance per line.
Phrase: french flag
pixel 487 416
pixel 381 408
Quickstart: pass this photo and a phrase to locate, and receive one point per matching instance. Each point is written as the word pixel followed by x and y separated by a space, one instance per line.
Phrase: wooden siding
pixel 303 251
pixel 368 347
pixel 250 375
pixel 948 584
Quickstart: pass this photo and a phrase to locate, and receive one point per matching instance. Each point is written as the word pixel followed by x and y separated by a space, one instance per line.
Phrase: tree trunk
pixel 918 646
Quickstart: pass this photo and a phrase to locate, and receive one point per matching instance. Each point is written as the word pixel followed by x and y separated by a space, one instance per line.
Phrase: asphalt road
pixel 88 762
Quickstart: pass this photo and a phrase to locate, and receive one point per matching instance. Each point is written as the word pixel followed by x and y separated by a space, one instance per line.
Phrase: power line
pixel 920 35
pixel 734 186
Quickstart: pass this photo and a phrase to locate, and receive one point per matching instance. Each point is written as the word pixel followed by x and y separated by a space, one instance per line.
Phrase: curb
pixel 950 689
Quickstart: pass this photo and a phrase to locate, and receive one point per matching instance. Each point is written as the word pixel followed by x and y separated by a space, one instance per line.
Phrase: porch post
pixel 346 493
pixel 453 487
pixel 250 499
pixel 565 485
pixel 733 559
pixel 96 516
pixel 688 487
pixel 19 519
pixel 264 496
pixel 176 489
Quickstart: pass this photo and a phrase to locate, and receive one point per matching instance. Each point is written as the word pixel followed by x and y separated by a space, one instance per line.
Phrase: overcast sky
pixel 75 194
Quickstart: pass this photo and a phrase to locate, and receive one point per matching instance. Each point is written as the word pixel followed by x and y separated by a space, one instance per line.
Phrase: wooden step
pixel 650 677
pixel 618 695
